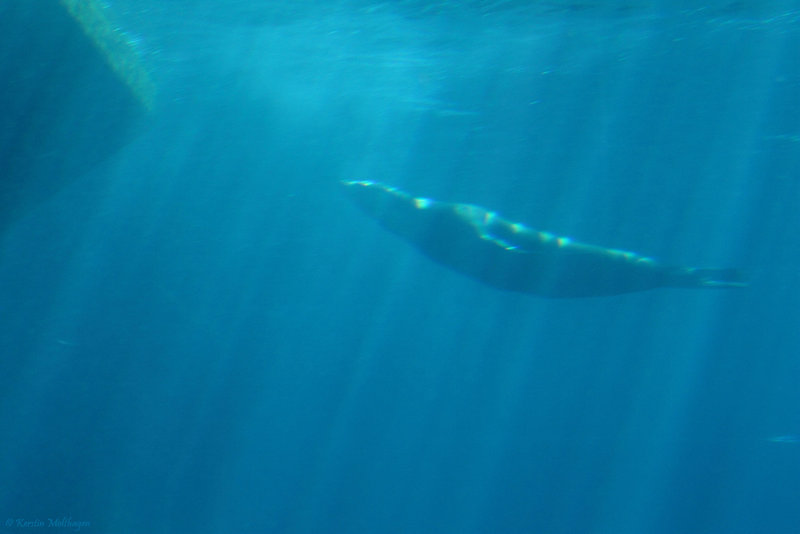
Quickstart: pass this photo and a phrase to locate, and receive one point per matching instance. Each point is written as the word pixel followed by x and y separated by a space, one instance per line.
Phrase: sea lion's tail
pixel 711 278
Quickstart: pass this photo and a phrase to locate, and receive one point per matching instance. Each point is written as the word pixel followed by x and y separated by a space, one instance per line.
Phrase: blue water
pixel 204 335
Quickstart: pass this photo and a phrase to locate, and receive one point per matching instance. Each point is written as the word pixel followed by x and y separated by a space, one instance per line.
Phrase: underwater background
pixel 203 334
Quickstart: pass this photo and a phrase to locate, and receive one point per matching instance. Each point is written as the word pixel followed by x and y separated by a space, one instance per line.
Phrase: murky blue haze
pixel 203 334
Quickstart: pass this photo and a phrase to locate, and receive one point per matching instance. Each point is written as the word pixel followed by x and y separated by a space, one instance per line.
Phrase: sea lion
pixel 510 256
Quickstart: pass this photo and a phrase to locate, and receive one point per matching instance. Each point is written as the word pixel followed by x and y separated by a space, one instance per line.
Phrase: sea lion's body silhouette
pixel 481 244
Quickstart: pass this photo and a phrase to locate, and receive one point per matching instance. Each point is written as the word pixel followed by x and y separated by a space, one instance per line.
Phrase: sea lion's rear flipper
pixel 717 278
